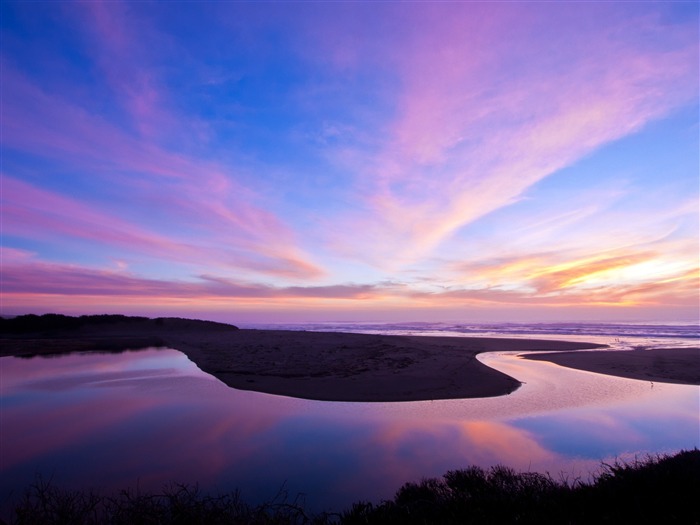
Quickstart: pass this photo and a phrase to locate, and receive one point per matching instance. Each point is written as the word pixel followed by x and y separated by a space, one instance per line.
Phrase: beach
pixel 335 366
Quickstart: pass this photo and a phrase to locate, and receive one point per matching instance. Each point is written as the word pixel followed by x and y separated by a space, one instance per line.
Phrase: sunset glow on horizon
pixel 369 161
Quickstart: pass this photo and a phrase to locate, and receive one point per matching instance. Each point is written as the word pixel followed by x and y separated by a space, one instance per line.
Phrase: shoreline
pixel 336 366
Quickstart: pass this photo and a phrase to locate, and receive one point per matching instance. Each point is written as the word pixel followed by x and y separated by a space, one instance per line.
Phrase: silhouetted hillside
pixel 25 324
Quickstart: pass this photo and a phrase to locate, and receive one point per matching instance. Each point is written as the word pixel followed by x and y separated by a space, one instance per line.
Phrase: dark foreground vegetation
pixel 657 490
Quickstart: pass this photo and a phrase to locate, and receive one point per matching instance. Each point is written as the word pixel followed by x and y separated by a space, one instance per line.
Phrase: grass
pixel 659 489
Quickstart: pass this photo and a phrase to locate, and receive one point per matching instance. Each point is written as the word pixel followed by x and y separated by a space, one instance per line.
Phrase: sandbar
pixel 333 366
pixel 665 365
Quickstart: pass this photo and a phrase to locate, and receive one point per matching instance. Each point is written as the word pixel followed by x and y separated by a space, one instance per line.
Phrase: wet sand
pixel 667 365
pixel 350 367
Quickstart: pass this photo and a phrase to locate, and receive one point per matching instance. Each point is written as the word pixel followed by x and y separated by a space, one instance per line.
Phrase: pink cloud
pixel 117 42
pixel 36 213
pixel 32 211
pixel 24 276
pixel 29 282
pixel 487 108
pixel 198 193
pixel 45 124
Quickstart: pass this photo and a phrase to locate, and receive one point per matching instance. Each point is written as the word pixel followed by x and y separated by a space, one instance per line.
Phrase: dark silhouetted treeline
pixel 48 322
pixel 25 324
pixel 657 490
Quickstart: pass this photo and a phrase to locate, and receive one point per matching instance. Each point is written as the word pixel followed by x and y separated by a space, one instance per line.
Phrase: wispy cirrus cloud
pixel 120 46
pixel 35 213
pixel 186 207
pixel 23 274
pixel 199 194
pixel 479 122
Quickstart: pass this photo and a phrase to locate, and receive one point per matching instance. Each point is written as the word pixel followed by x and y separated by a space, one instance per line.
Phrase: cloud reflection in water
pixel 150 417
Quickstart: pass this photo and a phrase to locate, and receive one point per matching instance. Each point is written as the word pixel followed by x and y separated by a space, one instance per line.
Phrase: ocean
pixel 618 336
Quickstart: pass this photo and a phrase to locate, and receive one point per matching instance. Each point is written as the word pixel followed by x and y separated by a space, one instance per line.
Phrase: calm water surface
pixel 147 417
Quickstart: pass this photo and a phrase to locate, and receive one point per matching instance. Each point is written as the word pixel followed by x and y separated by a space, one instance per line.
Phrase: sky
pixel 351 161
